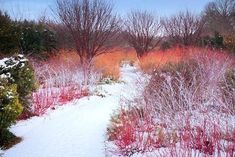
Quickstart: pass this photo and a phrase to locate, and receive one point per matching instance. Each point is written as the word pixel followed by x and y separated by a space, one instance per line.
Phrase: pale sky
pixel 32 9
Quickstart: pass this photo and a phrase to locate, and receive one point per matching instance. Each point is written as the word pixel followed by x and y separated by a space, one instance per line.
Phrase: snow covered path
pixel 74 130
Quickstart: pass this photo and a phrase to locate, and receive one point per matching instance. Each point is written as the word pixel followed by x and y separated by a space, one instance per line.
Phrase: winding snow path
pixel 74 130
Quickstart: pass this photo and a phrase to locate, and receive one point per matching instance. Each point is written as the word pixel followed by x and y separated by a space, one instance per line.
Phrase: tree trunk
pixel 86 67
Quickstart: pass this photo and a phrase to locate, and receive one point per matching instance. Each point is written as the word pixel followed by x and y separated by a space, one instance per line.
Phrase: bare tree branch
pixel 220 16
pixel 142 32
pixel 91 25
pixel 184 28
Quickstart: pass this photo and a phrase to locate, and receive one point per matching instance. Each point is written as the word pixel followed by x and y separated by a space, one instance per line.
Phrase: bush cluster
pixel 10 109
pixel 228 90
pixel 185 104
pixel 200 81
pixel 36 39
pixel 16 84
pixel 25 37
pixel 229 42
pixel 17 70
pixel 170 85
pixel 9 35
pixel 216 41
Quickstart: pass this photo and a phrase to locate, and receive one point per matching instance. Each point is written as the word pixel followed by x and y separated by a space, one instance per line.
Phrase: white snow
pixel 74 130
pixel 12 61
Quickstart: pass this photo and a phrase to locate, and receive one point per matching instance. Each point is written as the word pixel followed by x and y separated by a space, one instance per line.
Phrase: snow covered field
pixel 74 130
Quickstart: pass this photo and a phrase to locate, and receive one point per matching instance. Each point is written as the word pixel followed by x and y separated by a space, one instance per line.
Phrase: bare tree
pixel 184 28
pixel 142 31
pixel 220 16
pixel 91 25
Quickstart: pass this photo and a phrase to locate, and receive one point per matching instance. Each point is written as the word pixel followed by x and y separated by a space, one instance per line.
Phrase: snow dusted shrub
pixel 207 139
pixel 193 83
pixel 173 88
pixel 181 112
pixel 49 98
pixel 57 86
pixel 122 132
pixel 133 131
pixel 10 109
pixel 44 99
pixel 215 67
pixel 61 81
pixel 18 71
pixel 228 90
pixel 16 85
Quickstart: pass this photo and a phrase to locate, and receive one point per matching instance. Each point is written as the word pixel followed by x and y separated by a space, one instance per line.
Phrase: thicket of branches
pixel 184 28
pixel 91 28
pixel 91 25
pixel 220 20
pixel 220 16
pixel 142 31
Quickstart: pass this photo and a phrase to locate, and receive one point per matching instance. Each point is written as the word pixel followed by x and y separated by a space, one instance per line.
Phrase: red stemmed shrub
pixel 60 82
pixel 185 110
pixel 130 135
pixel 44 99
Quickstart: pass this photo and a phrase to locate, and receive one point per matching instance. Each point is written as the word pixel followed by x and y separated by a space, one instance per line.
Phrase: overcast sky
pixel 32 9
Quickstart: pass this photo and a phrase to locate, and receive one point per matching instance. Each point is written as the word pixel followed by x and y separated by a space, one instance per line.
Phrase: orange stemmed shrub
pixel 110 63
pixel 159 58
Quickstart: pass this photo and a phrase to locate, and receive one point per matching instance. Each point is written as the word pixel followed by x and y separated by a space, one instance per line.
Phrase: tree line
pixel 91 28
pixel 25 37
pixel 142 30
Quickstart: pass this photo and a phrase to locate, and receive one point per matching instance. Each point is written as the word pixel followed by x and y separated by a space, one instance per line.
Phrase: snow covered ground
pixel 74 130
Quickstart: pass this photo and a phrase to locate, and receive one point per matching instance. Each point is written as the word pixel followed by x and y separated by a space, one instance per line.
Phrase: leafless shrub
pixel 190 85
pixel 219 16
pixel 228 90
pixel 183 28
pixel 173 88
pixel 91 25
pixel 181 111
pixel 135 131
pixel 142 31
